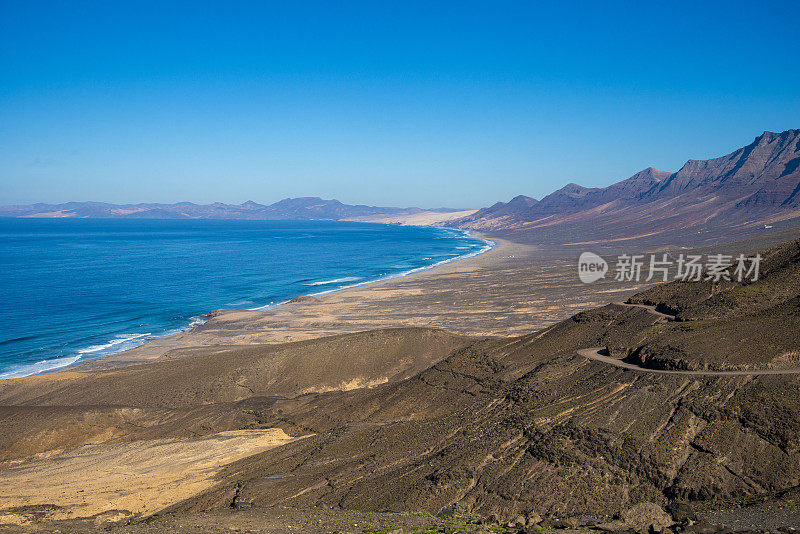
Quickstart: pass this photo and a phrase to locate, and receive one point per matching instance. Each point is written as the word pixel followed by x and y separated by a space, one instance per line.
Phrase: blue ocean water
pixel 77 289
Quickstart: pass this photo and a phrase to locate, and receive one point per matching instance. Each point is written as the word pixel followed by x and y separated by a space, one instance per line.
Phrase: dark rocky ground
pixel 727 325
pixel 493 429
pixel 647 518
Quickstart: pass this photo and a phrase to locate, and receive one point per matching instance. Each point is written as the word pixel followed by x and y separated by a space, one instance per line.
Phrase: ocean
pixel 77 289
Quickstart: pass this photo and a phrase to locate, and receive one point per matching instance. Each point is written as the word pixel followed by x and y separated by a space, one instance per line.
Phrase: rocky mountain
pixel 752 186
pixel 290 208
pixel 515 205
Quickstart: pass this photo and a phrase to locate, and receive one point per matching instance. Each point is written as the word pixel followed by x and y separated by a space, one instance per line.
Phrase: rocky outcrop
pixel 646 517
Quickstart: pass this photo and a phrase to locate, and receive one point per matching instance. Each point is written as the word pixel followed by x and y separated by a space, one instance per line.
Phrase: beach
pixel 420 318
pixel 346 400
pixel 509 290
pixel 74 295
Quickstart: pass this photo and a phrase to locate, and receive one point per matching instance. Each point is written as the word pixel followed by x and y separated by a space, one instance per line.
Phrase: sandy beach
pixel 510 290
pixel 348 399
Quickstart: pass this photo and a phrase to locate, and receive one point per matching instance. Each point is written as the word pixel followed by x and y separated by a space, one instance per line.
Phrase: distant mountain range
pixel 304 208
pixel 755 185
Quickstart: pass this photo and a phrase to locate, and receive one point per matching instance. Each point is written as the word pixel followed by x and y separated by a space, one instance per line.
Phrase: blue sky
pixel 392 103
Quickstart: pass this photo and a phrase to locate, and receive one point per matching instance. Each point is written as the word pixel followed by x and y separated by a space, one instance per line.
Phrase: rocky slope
pixel 724 326
pixel 421 421
pixel 754 185
pixel 510 426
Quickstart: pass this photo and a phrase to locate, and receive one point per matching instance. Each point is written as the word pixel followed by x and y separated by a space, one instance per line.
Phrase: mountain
pixel 289 208
pixel 754 185
pixel 504 209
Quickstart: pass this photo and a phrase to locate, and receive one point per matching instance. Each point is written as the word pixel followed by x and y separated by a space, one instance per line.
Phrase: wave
pixel 16 340
pixel 39 367
pixel 335 281
pixel 195 321
pixel 123 338
pixel 488 245
pixel 120 343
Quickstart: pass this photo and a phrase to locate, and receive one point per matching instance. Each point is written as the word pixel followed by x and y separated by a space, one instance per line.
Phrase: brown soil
pixel 407 420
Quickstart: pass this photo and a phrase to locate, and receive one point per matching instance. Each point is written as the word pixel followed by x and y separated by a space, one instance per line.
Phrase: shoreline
pixel 198 339
pixel 509 289
pixel 78 362
pixel 225 387
pixel 489 244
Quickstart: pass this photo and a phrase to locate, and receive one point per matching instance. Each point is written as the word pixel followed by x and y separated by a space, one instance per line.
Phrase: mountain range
pixel 303 208
pixel 754 185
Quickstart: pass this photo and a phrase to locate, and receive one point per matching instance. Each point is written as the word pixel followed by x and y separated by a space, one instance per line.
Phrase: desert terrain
pixel 471 395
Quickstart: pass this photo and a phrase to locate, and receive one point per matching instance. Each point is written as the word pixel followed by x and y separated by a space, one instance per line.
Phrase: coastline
pixel 125 341
pixel 468 234
pixel 507 289
pixel 203 410
pixel 510 289
pixel 132 355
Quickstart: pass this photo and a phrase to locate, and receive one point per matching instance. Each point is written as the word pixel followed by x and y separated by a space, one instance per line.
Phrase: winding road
pixel 595 353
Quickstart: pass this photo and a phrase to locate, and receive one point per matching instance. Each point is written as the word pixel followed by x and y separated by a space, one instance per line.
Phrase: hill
pixel 417 420
pixel 509 426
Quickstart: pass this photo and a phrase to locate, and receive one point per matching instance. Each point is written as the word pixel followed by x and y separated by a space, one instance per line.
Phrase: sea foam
pixel 39 367
pixel 118 340
pixel 335 281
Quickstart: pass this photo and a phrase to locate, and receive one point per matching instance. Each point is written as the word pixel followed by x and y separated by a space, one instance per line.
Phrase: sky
pixel 429 104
